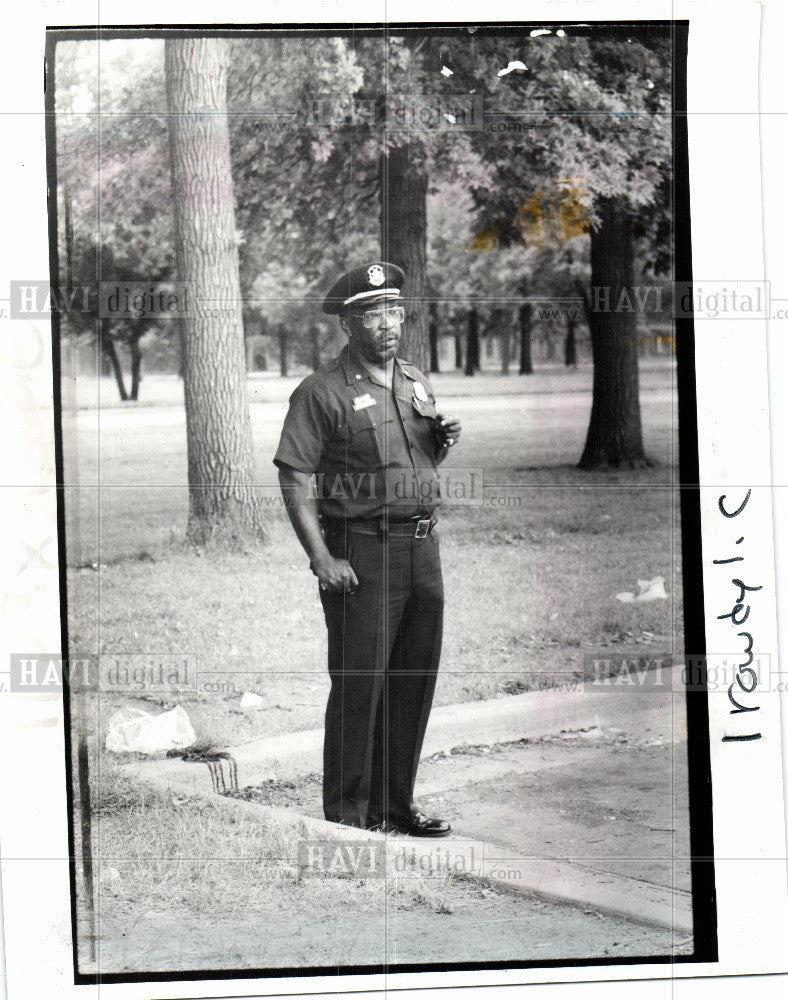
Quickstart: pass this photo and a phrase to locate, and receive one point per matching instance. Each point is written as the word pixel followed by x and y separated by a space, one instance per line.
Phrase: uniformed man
pixel 357 462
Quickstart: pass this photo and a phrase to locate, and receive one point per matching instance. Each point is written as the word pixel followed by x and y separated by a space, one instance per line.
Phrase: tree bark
pixel 433 332
pixel 570 344
pixel 180 326
pixel 314 343
pixel 136 367
pixel 263 355
pixel 457 345
pixel 222 502
pixel 281 334
pixel 505 340
pixel 110 354
pixel 472 345
pixel 403 241
pixel 615 436
pixel 524 316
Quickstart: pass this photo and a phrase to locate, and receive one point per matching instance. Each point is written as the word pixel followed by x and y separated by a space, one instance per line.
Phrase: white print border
pixel 733 400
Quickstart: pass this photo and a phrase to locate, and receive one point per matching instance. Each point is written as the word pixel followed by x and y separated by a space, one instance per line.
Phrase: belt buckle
pixel 423 527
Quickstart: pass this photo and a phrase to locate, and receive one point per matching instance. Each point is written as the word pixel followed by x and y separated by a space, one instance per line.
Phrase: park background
pixel 505 231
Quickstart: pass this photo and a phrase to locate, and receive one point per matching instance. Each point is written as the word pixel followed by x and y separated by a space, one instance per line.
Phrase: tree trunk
pixel 472 346
pixel 615 437
pixel 263 355
pixel 109 353
pixel 433 331
pixel 457 345
pixel 570 344
pixel 180 326
pixel 524 317
pixel 281 333
pixel 314 335
pixel 136 367
pixel 403 241
pixel 222 500
pixel 505 340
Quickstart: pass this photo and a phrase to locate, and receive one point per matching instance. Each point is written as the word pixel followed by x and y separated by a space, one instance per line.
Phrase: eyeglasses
pixel 372 317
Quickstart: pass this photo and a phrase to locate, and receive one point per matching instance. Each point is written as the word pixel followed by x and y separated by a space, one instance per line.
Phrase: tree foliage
pixel 569 122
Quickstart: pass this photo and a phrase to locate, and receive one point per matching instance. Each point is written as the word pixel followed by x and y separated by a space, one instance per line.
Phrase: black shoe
pixel 420 825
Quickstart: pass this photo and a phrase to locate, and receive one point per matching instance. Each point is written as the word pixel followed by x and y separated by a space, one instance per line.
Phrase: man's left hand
pixel 449 430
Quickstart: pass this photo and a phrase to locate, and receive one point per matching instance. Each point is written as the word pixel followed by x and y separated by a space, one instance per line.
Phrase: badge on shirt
pixel 362 402
pixel 420 391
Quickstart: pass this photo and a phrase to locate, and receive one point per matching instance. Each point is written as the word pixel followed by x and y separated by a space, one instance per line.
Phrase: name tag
pixel 362 402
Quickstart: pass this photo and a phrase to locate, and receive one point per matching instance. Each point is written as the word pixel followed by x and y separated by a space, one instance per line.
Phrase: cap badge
pixel 375 275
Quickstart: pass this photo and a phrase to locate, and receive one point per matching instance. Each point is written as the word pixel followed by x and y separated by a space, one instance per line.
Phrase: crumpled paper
pixel 130 730
pixel 650 590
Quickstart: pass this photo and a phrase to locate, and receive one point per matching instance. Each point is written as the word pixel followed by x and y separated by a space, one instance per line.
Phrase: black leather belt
pixel 416 527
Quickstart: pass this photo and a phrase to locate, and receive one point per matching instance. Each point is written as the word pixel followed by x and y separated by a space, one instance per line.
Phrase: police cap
pixel 377 281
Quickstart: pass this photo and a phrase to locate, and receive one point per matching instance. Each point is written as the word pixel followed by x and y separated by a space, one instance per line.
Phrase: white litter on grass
pixel 513 65
pixel 250 700
pixel 131 730
pixel 445 71
pixel 650 590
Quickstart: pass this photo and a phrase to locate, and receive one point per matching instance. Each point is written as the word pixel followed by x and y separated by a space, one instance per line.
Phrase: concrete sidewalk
pixel 660 706
pixel 656 711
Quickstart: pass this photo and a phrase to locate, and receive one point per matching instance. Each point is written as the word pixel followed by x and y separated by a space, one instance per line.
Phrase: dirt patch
pixel 613 806
pixel 598 798
pixel 183 885
pixel 329 928
pixel 304 796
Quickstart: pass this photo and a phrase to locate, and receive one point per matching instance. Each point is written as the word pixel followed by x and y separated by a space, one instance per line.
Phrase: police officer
pixel 357 462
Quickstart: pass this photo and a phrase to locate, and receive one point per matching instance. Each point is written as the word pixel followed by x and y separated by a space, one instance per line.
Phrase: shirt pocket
pixel 361 421
pixel 423 408
pixel 421 414
pixel 357 438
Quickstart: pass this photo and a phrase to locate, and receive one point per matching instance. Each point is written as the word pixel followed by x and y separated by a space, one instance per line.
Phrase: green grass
pixel 530 587
pixel 195 855
pixel 530 590
pixel 183 884
pixel 87 393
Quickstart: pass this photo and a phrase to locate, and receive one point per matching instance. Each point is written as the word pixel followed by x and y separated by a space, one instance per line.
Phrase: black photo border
pixel 699 762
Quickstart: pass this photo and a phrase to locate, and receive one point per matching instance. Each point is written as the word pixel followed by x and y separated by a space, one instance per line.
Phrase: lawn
pixel 531 574
pixel 531 577
pixel 186 884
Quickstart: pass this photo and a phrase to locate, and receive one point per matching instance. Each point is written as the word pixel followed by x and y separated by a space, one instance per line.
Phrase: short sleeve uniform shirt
pixel 372 450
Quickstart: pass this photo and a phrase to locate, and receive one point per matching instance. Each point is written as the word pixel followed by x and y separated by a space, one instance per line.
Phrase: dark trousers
pixel 384 646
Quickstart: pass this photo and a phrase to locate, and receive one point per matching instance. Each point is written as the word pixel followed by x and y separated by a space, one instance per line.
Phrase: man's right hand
pixel 335 575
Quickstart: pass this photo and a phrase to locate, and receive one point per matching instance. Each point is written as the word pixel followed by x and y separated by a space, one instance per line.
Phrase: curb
pixel 489 864
pixel 533 714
